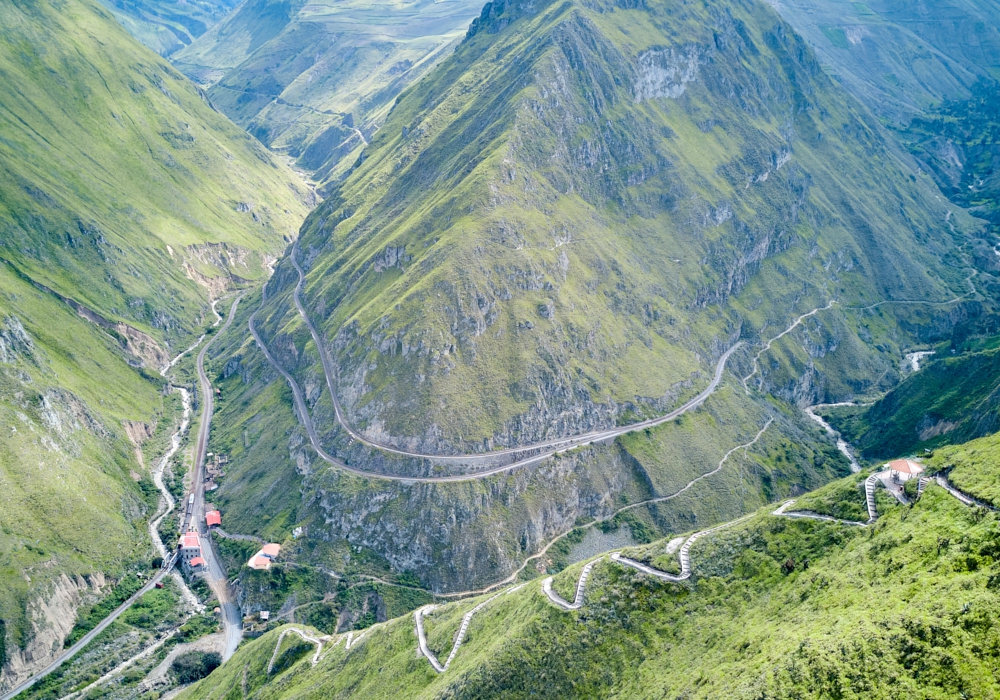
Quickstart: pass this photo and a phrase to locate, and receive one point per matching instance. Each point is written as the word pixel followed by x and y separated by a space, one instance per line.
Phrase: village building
pixel 213 518
pixel 261 561
pixel 904 469
pixel 189 550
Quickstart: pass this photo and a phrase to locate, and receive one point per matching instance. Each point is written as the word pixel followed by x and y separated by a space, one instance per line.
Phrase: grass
pixel 498 223
pixel 784 608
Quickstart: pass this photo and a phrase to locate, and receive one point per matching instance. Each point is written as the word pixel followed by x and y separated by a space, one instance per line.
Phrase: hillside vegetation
pixel 568 220
pixel 120 187
pixel 314 80
pixel 126 205
pixel 950 400
pixel 776 608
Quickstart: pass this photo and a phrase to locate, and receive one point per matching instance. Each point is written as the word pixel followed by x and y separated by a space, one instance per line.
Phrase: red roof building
pixel 213 518
pixel 189 549
pixel 904 469
pixel 262 559
pixel 196 562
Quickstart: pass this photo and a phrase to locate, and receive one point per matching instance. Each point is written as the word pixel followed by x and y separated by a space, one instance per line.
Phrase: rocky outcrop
pixel 52 617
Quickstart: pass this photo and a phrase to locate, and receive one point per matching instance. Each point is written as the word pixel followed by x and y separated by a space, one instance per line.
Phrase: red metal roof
pixel 213 517
pixel 190 539
pixel 197 561
pixel 270 550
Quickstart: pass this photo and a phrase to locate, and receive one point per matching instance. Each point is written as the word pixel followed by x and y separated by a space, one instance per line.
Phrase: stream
pixel 842 445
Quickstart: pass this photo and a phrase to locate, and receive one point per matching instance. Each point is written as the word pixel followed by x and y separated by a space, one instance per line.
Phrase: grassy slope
pixel 905 609
pixel 897 57
pixel 118 187
pixel 950 400
pixel 69 503
pixel 114 168
pixel 635 245
pixel 305 78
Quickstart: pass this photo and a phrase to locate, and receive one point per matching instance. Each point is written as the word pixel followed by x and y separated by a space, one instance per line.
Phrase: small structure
pixel 197 564
pixel 264 556
pixel 297 532
pixel 903 469
pixel 213 518
pixel 265 615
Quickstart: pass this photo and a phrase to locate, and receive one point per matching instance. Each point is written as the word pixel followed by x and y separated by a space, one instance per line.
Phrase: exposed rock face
pixel 14 340
pixel 417 527
pixel 52 619
pixel 576 249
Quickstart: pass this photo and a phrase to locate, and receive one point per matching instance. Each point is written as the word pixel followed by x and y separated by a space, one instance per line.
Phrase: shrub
pixel 194 665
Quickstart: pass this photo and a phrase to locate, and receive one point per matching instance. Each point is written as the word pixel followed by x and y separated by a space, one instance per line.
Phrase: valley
pixel 577 349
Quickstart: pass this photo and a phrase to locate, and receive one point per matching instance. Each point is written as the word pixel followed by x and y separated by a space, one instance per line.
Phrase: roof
pixel 258 561
pixel 213 517
pixel 905 466
pixel 270 550
pixel 190 539
pixel 197 561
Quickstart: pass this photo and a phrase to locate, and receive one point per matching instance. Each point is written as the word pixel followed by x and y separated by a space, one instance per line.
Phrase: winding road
pixel 543 450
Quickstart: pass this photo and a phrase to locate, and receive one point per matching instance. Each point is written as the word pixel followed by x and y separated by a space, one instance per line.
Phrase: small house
pixel 213 518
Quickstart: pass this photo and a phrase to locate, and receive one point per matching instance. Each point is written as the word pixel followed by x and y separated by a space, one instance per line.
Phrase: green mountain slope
pixel 315 80
pixel 571 217
pixel 527 250
pixel 168 25
pixel 957 142
pixel 120 187
pixel 902 57
pixel 126 205
pixel 776 608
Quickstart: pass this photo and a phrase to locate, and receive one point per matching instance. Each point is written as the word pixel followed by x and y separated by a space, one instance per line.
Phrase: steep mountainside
pixel 562 228
pixel 570 220
pixel 775 607
pixel 126 205
pixel 949 400
pixel 120 187
pixel 314 80
pixel 900 57
pixel 958 142
pixel 168 25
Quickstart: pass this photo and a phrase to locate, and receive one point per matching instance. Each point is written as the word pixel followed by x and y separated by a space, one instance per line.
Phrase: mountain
pixel 901 58
pixel 315 80
pixel 127 204
pixel 168 25
pixel 121 188
pixel 957 142
pixel 776 607
pixel 566 221
pixel 561 229
pixel 949 400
